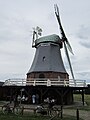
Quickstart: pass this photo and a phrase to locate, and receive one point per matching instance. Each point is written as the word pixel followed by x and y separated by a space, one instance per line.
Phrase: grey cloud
pixel 85 44
pixel 17 31
pixel 66 64
pixel 84 76
pixel 84 32
pixel 84 35
pixel 6 76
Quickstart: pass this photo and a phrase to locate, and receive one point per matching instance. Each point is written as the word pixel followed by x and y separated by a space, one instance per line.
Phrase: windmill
pixel 47 68
pixel 65 41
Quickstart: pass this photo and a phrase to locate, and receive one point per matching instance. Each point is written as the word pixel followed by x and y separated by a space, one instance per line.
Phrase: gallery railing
pixel 45 82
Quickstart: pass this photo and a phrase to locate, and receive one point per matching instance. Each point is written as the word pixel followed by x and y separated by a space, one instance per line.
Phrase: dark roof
pixel 50 38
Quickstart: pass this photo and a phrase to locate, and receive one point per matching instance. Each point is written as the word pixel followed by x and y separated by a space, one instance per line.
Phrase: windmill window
pixel 44 58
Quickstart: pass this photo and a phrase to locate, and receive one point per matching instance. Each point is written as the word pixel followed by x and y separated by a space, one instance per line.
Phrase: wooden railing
pixel 45 82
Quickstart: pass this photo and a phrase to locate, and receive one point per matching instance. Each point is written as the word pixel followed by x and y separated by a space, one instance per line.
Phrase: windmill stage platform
pixel 62 91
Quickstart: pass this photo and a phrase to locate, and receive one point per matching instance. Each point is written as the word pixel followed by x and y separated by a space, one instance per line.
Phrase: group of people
pixel 17 99
pixel 34 99
pixel 51 102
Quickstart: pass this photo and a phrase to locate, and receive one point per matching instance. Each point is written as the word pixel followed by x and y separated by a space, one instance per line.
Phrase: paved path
pixel 85 115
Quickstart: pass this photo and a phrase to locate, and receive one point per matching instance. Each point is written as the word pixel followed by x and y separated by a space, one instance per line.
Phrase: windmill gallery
pixel 47 76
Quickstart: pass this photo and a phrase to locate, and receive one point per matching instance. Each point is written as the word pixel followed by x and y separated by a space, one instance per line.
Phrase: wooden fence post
pixel 22 110
pixel 61 111
pixel 77 114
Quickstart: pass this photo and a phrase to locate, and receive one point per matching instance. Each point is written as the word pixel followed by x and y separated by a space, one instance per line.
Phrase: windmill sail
pixel 69 47
pixel 69 62
pixel 65 40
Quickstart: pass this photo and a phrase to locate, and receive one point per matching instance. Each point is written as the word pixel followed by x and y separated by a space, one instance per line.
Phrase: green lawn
pixel 32 117
pixel 20 117
pixel 78 97
pixel 87 99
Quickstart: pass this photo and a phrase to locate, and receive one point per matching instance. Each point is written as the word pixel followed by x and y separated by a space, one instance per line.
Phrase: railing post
pixel 22 82
pixel 48 82
pixel 64 83
pixel 84 83
pixel 34 83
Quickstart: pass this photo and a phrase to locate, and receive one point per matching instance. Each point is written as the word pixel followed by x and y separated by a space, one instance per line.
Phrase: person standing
pixel 33 99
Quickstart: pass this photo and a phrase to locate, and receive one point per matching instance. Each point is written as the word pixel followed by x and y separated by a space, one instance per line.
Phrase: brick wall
pixel 31 76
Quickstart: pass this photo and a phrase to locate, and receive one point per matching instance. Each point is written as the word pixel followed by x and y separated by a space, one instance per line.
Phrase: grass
pixel 9 117
pixel 32 117
pixel 87 99
pixel 78 97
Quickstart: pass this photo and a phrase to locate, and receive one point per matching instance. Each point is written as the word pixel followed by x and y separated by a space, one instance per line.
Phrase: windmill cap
pixel 50 38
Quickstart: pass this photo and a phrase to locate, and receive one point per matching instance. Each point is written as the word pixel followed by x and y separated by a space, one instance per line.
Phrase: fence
pixel 45 82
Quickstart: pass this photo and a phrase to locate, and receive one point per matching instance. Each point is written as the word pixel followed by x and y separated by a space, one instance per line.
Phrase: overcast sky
pixel 18 17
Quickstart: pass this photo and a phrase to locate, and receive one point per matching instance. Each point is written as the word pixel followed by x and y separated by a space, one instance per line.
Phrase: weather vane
pixel 36 33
